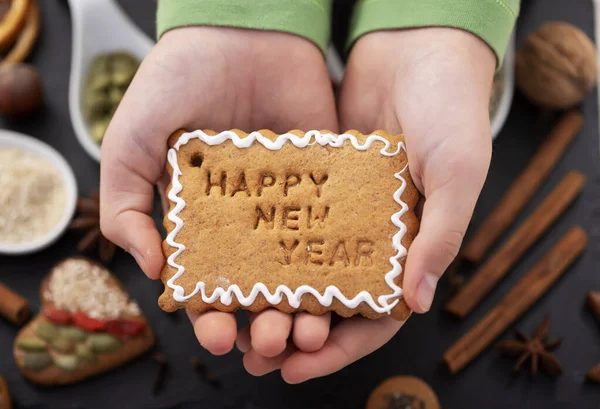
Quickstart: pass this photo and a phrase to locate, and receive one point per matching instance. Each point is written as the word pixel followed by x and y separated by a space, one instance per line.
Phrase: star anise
pixel 536 349
pixel 89 220
pixel 402 401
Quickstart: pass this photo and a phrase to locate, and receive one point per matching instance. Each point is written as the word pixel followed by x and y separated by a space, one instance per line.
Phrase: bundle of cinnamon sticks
pixel 544 274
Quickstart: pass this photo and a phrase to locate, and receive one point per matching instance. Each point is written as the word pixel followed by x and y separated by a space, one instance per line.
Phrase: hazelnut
pixel 20 90
pixel 556 67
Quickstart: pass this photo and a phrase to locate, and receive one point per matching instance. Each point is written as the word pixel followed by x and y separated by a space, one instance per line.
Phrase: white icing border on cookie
pixel 294 297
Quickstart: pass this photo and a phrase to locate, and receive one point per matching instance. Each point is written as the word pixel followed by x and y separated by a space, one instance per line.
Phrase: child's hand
pixel 438 93
pixel 216 78
pixel 434 85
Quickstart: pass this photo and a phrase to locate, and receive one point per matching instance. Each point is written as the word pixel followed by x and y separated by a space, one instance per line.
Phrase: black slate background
pixel 417 348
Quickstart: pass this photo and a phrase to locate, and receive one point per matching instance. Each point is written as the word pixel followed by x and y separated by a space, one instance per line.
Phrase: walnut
pixel 556 67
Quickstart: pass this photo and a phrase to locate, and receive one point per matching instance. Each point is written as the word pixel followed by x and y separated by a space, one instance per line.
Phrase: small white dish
pixel 10 139
pixel 508 89
pixel 99 27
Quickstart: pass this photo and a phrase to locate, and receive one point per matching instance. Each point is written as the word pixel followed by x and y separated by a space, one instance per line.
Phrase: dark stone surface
pixel 486 383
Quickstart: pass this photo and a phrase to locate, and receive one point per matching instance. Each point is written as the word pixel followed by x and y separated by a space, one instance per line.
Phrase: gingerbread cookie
pixel 403 392
pixel 309 221
pixel 88 325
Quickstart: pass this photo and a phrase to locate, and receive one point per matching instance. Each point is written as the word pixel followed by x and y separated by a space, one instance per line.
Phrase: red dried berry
pixel 57 316
pixel 125 329
pixel 89 324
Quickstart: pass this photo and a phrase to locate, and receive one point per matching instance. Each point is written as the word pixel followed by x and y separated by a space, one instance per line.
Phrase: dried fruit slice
pixel 57 316
pixel 89 325
pixel 125 328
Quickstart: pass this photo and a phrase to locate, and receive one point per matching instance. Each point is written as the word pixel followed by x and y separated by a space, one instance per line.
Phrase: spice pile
pixel 108 79
pixel 80 288
pixel 32 196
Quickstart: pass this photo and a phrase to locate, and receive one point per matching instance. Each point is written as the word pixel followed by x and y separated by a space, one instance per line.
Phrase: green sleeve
pixel 491 20
pixel 306 18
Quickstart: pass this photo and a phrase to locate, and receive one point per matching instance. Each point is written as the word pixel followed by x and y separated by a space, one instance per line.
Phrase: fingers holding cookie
pixel 216 331
pixel 349 341
pixel 310 332
pixel 269 331
pixel 259 365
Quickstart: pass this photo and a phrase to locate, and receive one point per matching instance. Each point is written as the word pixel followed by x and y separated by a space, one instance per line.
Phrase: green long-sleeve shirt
pixel 491 20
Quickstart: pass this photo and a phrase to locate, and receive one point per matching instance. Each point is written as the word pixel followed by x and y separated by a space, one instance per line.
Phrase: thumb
pixel 132 162
pixel 452 181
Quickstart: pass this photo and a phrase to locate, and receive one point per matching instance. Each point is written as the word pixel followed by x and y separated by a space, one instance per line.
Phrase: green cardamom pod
pixel 30 343
pixel 46 330
pixel 72 333
pixel 99 128
pixel 84 352
pixel 95 105
pixel 62 344
pixel 66 362
pixel 36 361
pixel 122 77
pixel 101 65
pixel 103 343
pixel 115 95
pixel 123 60
pixel 100 82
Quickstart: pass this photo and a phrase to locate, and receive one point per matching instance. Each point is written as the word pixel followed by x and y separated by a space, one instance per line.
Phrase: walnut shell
pixel 556 67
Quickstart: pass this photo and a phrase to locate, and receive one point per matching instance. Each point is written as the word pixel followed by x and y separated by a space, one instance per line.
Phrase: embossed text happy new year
pixel 316 250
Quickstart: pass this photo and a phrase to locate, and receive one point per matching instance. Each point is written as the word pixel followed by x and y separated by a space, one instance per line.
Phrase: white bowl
pixel 499 118
pixel 99 27
pixel 31 145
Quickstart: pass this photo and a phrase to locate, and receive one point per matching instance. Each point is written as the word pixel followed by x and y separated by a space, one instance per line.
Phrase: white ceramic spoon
pixel 99 26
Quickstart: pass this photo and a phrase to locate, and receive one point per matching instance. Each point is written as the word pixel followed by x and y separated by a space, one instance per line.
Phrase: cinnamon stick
pixel 522 296
pixel 593 300
pixel 4 395
pixel 524 187
pixel 499 264
pixel 593 374
pixel 13 307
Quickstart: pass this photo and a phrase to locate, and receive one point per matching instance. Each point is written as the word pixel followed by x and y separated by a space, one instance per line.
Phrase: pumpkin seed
pixel 36 361
pixel 73 333
pixel 66 362
pixel 46 330
pixel 84 352
pixel 103 343
pixel 62 344
pixel 30 343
